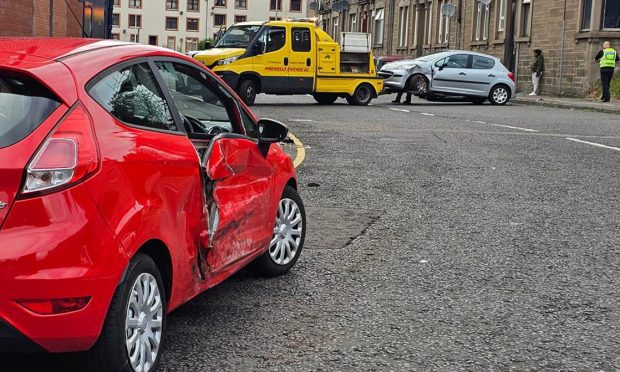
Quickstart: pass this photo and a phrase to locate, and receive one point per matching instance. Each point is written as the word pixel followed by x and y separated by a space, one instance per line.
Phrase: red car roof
pixel 52 48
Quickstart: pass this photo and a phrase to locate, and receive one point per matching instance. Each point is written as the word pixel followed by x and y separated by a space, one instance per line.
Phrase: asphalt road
pixel 441 237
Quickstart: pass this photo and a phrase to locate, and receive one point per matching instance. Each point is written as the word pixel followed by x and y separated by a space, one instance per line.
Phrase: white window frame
pixel 353 22
pixel 403 26
pixel 526 29
pixel 378 26
pixel 444 25
pixel 429 13
pixel 415 28
pixel 482 29
pixel 335 30
pixel 501 17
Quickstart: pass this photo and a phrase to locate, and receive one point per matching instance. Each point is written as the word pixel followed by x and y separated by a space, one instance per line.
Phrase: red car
pixel 131 180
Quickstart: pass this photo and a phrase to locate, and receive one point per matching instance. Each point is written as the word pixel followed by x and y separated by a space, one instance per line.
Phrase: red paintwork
pixel 147 191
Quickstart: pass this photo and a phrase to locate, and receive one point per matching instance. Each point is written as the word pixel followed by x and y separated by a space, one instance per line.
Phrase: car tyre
pixel 129 316
pixel 362 95
pixel 288 237
pixel 247 91
pixel 418 84
pixel 499 95
pixel 325 98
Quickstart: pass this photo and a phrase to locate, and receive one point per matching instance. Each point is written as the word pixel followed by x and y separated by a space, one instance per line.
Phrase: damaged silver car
pixel 451 75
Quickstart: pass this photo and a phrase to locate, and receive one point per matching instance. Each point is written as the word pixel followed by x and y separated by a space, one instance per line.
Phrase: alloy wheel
pixel 500 95
pixel 144 323
pixel 287 232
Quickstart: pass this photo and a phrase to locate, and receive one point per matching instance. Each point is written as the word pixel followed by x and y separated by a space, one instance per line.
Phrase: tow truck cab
pixel 293 57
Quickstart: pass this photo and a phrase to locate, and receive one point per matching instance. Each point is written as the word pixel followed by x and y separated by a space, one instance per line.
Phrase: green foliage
pixel 204 43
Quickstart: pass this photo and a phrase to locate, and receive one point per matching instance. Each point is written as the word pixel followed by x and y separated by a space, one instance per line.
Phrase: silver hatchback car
pixel 457 74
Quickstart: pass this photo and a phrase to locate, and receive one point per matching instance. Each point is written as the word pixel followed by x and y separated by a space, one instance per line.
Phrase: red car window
pixel 132 95
pixel 24 105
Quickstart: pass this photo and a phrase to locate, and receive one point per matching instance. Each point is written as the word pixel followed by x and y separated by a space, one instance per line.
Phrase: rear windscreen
pixel 24 105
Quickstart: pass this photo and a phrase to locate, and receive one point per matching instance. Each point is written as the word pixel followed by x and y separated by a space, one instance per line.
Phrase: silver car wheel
pixel 500 95
pixel 144 322
pixel 286 233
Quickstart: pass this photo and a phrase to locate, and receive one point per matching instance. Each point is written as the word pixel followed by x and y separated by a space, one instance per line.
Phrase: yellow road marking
pixel 301 151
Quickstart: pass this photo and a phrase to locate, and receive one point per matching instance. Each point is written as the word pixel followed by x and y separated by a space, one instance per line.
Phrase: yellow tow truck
pixel 294 57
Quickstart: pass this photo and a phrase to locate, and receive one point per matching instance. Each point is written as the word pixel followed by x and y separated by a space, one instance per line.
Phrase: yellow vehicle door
pixel 272 60
pixel 301 61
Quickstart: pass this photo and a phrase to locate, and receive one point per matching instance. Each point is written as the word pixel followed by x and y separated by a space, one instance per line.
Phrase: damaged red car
pixel 131 180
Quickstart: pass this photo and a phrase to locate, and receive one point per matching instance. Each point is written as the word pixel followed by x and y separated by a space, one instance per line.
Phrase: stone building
pixel 569 32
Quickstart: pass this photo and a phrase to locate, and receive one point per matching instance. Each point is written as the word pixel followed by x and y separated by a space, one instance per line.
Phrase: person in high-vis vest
pixel 607 59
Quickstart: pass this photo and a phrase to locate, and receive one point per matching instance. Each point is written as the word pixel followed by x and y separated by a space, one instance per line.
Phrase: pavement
pixel 441 237
pixel 612 107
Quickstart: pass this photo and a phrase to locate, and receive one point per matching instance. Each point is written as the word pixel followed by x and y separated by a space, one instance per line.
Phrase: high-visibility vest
pixel 609 58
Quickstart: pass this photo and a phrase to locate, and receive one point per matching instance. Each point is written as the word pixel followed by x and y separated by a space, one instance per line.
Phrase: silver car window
pixel 482 63
pixel 453 61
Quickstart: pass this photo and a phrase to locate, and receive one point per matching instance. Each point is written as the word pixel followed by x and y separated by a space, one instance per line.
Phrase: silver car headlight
pixel 226 61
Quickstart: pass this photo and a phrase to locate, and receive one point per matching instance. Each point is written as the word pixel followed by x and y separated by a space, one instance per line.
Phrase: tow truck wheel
pixel 325 98
pixel 247 91
pixel 362 95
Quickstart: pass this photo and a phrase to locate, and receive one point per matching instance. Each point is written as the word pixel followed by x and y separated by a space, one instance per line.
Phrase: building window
pixel 482 22
pixel 295 6
pixel 275 5
pixel 116 36
pixel 403 26
pixel 219 20
pixel 133 38
pixel 221 3
pixel 378 26
pixel 152 39
pixel 191 43
pixel 335 30
pixel 241 4
pixel 171 42
pixel 501 16
pixel 135 20
pixel 172 23
pixel 275 18
pixel 135 3
pixel 117 2
pixel 192 24
pixel 353 22
pixel 586 15
pixel 116 21
pixel 444 25
pixel 415 27
pixel 611 15
pixel 429 22
pixel 219 25
pixel 239 19
pixel 193 5
pixel 526 22
pixel 172 4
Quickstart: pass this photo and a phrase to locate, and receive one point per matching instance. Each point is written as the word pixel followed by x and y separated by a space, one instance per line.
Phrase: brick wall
pixel 16 17
pixel 32 18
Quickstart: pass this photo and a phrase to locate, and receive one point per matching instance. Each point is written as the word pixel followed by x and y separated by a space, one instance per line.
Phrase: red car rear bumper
pixel 56 247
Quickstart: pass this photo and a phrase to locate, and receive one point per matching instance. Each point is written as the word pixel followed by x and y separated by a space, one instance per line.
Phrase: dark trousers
pixel 400 94
pixel 606 75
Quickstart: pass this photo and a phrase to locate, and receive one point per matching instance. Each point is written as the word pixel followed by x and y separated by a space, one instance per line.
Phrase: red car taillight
pixel 55 306
pixel 68 156
pixel 511 76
